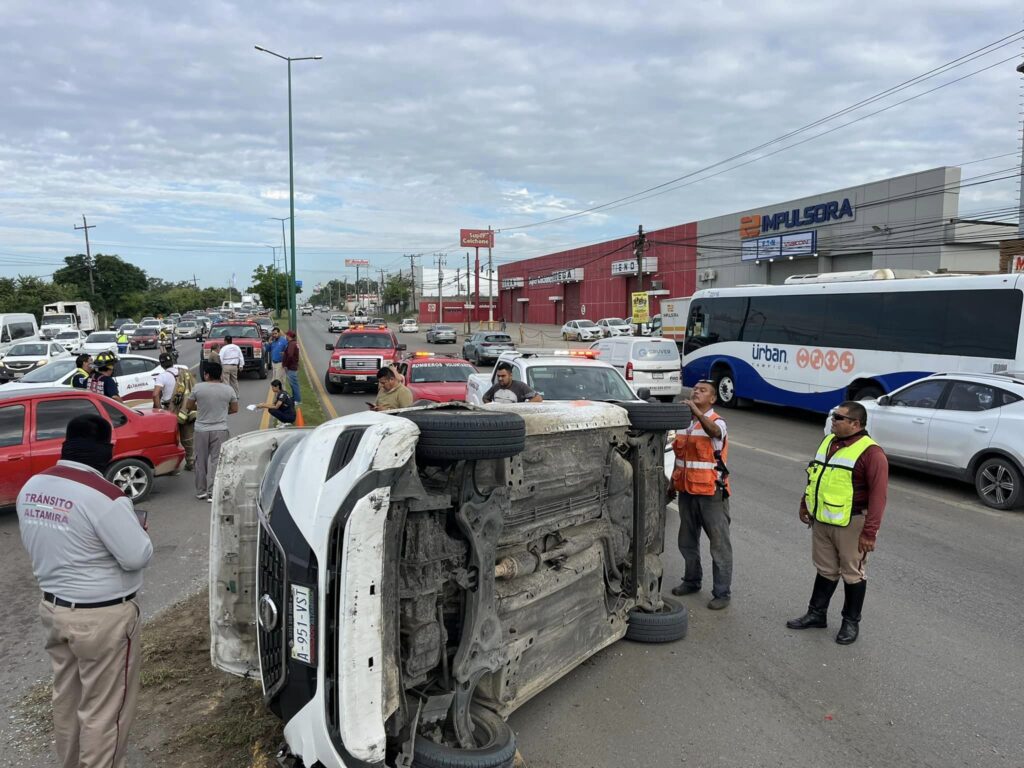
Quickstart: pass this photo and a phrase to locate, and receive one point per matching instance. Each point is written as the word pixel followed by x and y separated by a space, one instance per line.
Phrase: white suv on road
pixel 337 323
pixel 964 425
pixel 401 582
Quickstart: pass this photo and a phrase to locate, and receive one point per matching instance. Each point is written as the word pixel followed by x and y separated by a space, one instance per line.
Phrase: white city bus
pixel 819 341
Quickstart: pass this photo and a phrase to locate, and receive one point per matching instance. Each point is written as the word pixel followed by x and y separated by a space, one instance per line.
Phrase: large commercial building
pixel 908 223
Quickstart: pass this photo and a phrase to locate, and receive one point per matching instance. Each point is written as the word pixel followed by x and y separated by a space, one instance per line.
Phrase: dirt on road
pixel 188 714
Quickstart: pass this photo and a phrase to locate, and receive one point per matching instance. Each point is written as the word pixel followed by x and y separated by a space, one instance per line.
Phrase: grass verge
pixel 312 408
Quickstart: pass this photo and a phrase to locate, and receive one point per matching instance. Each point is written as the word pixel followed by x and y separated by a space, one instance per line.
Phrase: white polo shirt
pixel 231 354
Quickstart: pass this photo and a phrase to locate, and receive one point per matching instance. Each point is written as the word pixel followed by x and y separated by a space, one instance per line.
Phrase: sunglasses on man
pixel 839 417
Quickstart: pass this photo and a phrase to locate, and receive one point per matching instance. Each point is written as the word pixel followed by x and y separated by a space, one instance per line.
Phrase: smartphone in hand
pixel 143 516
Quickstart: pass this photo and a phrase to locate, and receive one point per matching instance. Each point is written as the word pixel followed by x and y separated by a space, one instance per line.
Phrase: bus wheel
pixel 725 385
pixel 868 392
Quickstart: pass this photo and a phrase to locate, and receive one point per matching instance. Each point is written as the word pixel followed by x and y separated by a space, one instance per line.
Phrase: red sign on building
pixel 476 238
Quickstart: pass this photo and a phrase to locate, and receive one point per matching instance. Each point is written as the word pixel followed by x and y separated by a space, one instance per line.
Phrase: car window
pixel 517 374
pixel 56 349
pixel 101 338
pixel 54 371
pixel 27 350
pixel 52 416
pixel 969 396
pixel 117 418
pixel 498 338
pixel 12 425
pixel 567 382
pixel 431 373
pixel 130 366
pixel 15 331
pixel 923 395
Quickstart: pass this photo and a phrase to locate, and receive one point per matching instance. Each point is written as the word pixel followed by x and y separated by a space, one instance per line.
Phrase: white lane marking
pixel 902 487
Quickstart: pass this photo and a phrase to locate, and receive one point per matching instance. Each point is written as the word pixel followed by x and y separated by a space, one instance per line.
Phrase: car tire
pixel 664 626
pixel 657 417
pixel 449 435
pixel 999 483
pixel 497 746
pixel 331 387
pixel 868 392
pixel 262 372
pixel 725 387
pixel 565 336
pixel 133 476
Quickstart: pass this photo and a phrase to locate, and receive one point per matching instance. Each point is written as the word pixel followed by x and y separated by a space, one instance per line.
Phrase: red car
pixel 357 356
pixel 32 427
pixel 434 377
pixel 248 337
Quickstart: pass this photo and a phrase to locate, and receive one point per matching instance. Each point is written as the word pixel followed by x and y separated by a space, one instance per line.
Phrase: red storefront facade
pixel 596 281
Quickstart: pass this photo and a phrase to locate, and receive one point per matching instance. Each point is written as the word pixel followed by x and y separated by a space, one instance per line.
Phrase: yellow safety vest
pixel 829 493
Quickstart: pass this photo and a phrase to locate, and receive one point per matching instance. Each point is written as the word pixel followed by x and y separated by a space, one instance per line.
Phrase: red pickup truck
pixel 357 356
pixel 249 339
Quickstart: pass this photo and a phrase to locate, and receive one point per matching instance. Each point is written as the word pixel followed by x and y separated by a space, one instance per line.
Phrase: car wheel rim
pixel 997 484
pixel 131 480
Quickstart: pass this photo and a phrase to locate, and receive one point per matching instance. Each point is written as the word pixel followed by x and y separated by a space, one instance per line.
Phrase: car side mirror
pixel 883 400
pixel 329 347
pixel 643 393
pixel 401 347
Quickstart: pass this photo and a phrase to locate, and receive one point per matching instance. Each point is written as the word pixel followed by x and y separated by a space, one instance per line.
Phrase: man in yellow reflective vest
pixel 843 503
pixel 702 480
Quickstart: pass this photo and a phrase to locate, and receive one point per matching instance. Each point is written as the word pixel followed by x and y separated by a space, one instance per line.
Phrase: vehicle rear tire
pixel 331 387
pixel 657 417
pixel 262 372
pixel 725 386
pixel 565 336
pixel 497 746
pixel 869 392
pixel 133 476
pixel 999 483
pixel 664 626
pixel 449 435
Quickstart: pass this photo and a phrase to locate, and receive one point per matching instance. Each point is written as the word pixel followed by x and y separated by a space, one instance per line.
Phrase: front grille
pixel 271 582
pixel 20 366
pixel 248 352
pixel 368 364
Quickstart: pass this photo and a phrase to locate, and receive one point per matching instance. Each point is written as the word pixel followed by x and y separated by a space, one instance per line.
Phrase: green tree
pixel 396 290
pixel 270 284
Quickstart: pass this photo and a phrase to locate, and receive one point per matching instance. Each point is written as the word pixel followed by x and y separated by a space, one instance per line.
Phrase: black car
pixel 116 325
pixel 485 346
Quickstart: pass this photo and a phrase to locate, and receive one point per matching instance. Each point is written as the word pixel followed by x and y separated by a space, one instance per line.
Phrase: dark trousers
pixel 285 417
pixel 710 514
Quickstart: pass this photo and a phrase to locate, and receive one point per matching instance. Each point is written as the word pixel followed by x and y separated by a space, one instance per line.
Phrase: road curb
pixel 314 382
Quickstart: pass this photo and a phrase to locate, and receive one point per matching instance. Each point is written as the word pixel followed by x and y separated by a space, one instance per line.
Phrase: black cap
pixel 166 360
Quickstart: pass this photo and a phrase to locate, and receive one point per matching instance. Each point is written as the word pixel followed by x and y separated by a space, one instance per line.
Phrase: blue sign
pixel 298 283
pixel 822 213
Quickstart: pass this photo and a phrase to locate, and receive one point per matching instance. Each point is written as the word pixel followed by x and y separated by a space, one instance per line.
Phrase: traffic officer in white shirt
pixel 231 362
pixel 166 381
pixel 88 550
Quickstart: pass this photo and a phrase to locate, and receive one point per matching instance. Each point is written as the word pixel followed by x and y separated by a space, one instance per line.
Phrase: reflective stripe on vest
pixel 696 471
pixel 829 492
pixel 96 385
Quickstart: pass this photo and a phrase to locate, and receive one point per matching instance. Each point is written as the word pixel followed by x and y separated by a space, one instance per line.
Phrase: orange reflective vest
pixel 696 471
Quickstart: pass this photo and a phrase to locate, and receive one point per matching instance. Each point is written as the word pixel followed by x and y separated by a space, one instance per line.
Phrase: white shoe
pixel 201 496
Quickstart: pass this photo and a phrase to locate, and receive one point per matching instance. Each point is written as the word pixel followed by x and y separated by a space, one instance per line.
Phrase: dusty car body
pixel 448 564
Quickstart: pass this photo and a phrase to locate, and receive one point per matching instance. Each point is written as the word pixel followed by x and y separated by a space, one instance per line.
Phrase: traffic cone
pixel 299 421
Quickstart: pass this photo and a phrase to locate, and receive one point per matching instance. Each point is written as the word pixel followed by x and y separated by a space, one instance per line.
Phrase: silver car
pixel 441 334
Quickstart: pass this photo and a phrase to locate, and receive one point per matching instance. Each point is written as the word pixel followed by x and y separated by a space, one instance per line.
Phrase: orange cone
pixel 299 421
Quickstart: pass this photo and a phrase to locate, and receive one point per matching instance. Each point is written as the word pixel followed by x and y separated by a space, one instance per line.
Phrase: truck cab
pixel 249 339
pixel 66 316
pixel 356 357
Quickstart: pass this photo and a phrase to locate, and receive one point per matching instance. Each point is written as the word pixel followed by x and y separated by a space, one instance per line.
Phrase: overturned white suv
pixel 401 582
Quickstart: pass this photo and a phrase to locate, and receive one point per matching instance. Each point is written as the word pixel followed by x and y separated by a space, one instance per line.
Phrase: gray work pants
pixel 207 445
pixel 710 514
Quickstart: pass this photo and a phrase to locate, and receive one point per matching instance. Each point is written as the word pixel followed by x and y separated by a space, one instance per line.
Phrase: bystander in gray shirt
pixel 212 401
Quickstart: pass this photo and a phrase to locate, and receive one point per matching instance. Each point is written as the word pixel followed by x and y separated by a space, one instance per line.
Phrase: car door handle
pixel 981 429
pixel 918 420
pixel 19 457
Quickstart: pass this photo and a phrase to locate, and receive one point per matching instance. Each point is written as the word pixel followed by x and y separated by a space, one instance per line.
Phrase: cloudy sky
pixel 162 124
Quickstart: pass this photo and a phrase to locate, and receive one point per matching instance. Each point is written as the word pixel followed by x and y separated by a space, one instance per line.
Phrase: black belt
pixel 51 598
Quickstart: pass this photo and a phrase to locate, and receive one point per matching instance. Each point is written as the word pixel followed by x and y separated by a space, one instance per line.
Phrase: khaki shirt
pixel 399 397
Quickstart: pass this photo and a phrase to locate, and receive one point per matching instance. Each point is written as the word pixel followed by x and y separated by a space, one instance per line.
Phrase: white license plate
pixel 362 378
pixel 303 616
pixel 657 375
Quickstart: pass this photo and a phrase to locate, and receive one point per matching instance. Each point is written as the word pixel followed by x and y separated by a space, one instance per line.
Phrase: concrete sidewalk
pixel 526 334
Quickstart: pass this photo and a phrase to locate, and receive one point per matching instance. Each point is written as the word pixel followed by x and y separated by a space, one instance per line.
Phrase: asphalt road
pixel 935 679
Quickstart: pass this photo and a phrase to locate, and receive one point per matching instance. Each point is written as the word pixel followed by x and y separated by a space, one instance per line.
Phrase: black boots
pixel 851 612
pixel 817 610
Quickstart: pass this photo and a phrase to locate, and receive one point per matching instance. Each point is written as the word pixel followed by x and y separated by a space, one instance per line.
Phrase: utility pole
pixel 440 290
pixel 358 303
pixel 1020 201
pixel 412 274
pixel 490 278
pixel 469 297
pixel 88 254
pixel 195 283
pixel 638 252
pixel 380 293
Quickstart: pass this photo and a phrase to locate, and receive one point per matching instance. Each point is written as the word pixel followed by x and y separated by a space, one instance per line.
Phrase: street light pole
pixel 292 304
pixel 277 304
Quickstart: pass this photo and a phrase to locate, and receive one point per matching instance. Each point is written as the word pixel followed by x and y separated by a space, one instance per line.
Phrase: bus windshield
pixel 813 346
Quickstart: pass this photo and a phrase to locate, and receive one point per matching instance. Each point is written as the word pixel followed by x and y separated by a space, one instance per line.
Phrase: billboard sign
pixel 799 243
pixel 628 266
pixel 811 215
pixel 574 275
pixel 476 238
pixel 509 283
pixel 357 262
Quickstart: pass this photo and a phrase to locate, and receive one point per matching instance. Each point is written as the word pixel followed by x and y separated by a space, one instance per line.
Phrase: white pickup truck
pixel 401 582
